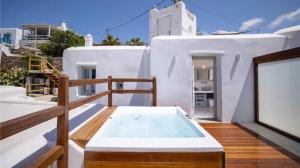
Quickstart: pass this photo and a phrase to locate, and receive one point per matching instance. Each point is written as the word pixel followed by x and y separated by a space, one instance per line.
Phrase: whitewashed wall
pixel 171 63
pixel 182 22
pixel 117 61
pixel 170 60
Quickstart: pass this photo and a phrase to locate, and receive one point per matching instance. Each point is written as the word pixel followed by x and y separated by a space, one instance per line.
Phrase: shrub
pixel 13 77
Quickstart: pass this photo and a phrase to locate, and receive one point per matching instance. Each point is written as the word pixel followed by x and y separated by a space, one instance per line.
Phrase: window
pixel 87 72
pixel 7 38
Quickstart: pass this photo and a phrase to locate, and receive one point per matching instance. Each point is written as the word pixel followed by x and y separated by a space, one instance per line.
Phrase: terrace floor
pixel 246 150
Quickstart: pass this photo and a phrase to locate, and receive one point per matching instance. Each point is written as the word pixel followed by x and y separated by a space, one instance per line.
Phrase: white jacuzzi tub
pixel 152 129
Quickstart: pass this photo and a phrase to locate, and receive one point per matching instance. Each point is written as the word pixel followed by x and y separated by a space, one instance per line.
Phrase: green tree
pixel 135 42
pixel 59 41
pixel 110 40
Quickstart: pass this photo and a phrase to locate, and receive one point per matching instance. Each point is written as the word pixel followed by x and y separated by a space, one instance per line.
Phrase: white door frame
pixel 216 55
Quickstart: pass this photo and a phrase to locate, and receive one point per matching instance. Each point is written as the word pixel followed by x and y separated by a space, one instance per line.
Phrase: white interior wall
pixel 117 61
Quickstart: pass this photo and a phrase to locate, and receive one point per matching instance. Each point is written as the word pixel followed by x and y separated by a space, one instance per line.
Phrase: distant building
pixel 30 35
pixel 38 33
pixel 173 20
pixel 10 37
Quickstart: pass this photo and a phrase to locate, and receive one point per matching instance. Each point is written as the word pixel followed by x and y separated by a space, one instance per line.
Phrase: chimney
pixel 175 1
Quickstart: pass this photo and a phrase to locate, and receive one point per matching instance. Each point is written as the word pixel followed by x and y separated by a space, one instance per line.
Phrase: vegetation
pixel 110 40
pixel 13 77
pixel 59 41
pixel 135 42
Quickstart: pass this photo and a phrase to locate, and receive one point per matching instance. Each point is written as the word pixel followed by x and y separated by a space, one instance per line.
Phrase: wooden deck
pixel 244 150
pixel 87 131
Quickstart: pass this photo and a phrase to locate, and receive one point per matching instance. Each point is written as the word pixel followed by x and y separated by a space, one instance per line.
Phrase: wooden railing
pixel 59 152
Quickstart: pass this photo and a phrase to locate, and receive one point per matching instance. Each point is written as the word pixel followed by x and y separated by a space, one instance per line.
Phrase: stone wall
pixel 9 62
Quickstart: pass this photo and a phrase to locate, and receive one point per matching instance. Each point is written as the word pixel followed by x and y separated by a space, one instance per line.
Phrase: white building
pixel 30 35
pixel 209 76
pixel 11 37
pixel 174 20
pixel 38 33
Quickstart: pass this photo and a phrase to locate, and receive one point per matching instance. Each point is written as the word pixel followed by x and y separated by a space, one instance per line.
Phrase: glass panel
pixel 279 95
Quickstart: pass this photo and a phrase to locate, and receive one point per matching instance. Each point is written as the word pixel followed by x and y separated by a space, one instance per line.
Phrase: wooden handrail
pixel 131 80
pixel 16 125
pixel 82 101
pixel 121 91
pixel 81 82
pixel 48 158
pixel 61 111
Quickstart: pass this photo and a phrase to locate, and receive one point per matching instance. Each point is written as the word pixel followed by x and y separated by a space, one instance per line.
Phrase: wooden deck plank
pixel 86 132
pixel 244 150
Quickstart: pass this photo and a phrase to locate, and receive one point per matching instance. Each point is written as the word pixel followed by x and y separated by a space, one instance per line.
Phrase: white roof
pixel 287 30
pixel 107 47
pixel 241 36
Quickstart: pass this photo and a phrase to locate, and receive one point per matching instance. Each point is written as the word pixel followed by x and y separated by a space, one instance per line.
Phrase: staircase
pixel 38 64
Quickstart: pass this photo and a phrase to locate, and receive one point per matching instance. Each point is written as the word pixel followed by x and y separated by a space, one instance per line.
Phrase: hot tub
pixel 136 136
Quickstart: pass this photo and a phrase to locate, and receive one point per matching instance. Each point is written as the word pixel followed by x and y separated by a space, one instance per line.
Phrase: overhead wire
pixel 134 18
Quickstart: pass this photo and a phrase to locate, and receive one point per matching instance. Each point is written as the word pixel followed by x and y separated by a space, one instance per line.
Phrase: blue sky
pixel 95 16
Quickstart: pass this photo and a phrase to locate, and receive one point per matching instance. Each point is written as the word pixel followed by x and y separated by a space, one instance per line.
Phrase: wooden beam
pixel 87 131
pixel 48 158
pixel 16 125
pixel 131 80
pixel 109 87
pixel 121 91
pixel 63 121
pixel 86 82
pixel 104 159
pixel 154 92
pixel 82 101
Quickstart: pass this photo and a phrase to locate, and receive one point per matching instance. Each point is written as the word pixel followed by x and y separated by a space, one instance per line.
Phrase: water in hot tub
pixel 150 125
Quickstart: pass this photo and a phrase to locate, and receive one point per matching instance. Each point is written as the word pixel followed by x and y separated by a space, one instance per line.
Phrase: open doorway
pixel 204 84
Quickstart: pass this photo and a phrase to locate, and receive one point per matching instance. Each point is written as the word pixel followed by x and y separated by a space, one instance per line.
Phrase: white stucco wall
pixel 171 63
pixel 182 22
pixel 170 60
pixel 117 61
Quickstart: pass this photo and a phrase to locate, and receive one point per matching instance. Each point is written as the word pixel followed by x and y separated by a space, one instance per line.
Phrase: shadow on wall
pixel 171 67
pixel 144 72
pixel 244 111
pixel 51 136
pixel 234 65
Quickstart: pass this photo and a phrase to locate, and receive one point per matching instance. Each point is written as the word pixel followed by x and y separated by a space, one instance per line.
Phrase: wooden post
pixel 63 120
pixel 154 93
pixel 109 85
pixel 29 64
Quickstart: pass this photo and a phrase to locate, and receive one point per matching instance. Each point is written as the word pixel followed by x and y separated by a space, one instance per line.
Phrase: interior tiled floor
pixel 204 112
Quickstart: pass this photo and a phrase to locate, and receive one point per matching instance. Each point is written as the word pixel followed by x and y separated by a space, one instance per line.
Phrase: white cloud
pixel 224 32
pixel 250 23
pixel 285 17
